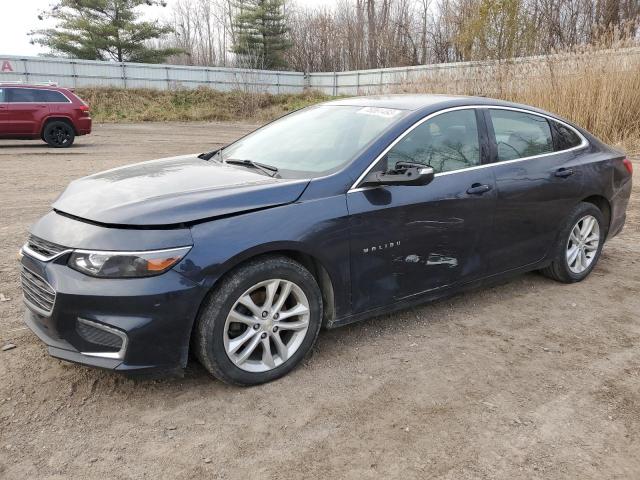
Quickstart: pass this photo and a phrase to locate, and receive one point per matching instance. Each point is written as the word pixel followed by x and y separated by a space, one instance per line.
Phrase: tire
pixel 217 334
pixel 58 134
pixel 560 269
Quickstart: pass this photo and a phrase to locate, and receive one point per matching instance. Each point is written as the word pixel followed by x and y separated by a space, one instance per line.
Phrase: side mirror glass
pixel 403 173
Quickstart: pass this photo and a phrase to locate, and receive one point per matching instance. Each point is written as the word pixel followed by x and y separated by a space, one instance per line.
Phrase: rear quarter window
pixel 51 96
pixel 565 137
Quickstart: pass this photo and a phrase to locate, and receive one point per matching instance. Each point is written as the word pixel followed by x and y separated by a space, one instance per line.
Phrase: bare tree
pixel 365 34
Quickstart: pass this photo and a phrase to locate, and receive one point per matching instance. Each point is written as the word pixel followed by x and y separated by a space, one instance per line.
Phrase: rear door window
pixel 520 134
pixel 21 95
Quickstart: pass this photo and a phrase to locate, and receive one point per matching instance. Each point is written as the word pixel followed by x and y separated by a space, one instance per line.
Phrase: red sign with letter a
pixel 5 66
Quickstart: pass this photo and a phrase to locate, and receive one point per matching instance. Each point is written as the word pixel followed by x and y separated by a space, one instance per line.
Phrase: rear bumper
pixel 83 125
pixel 619 204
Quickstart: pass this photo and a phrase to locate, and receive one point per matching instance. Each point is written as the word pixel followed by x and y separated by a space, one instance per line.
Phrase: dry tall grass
pixel 600 92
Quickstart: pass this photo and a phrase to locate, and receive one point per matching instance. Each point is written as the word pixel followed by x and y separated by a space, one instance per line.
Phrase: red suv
pixel 54 114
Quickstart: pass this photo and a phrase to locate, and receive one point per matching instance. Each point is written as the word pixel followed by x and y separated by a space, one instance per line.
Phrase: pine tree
pixel 261 33
pixel 103 30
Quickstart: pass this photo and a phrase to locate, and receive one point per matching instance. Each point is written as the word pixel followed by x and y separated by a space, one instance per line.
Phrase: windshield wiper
pixel 268 169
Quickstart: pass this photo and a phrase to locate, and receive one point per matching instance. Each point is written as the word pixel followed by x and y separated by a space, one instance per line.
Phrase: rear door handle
pixel 564 172
pixel 478 189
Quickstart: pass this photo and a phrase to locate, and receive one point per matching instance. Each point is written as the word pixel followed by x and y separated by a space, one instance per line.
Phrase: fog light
pixel 111 340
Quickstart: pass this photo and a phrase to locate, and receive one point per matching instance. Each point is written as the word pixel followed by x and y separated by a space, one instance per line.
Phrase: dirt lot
pixel 531 379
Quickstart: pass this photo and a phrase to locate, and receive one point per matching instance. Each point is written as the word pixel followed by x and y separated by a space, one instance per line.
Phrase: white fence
pixel 88 73
pixel 462 74
pixel 85 73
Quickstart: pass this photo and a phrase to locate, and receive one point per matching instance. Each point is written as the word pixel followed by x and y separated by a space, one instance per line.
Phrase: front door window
pixel 446 142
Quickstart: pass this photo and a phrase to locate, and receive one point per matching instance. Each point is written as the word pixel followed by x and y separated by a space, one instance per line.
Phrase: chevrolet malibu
pixel 329 215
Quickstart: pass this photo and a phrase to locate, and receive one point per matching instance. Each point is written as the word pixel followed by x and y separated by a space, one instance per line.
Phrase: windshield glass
pixel 314 141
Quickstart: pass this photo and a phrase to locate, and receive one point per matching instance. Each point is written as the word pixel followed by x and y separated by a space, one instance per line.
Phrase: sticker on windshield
pixel 379 112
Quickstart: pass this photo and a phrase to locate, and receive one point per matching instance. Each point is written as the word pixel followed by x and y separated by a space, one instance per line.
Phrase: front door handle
pixel 564 172
pixel 478 189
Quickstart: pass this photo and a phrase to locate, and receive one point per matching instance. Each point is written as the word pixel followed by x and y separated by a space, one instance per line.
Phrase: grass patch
pixel 110 105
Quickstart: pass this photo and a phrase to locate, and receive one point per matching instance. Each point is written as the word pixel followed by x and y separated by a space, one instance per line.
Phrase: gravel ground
pixel 530 379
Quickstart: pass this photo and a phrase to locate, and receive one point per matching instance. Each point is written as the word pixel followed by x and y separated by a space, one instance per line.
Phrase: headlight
pixel 126 264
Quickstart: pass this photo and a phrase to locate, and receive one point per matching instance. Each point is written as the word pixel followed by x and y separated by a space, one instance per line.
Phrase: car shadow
pixel 42 146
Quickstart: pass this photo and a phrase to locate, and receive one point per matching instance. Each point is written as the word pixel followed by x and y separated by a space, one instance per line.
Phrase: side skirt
pixel 438 294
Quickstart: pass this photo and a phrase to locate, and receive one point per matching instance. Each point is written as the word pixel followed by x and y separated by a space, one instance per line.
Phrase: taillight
pixel 628 165
pixel 84 108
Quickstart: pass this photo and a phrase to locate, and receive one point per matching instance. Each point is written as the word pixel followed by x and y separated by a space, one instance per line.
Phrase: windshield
pixel 314 141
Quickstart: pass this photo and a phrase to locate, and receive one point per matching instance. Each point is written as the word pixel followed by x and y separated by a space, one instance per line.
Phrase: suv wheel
pixel 579 245
pixel 260 322
pixel 58 134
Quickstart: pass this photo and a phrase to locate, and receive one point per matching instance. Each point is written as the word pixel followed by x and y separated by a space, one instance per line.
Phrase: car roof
pixel 417 102
pixel 27 85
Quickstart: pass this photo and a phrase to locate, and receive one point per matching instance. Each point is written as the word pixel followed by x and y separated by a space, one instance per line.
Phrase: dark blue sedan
pixel 329 215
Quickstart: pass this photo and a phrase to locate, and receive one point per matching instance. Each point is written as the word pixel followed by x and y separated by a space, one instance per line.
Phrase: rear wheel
pixel 579 245
pixel 58 134
pixel 260 322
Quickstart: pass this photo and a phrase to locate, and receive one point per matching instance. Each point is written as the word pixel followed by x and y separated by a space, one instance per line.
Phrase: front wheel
pixel 260 322
pixel 579 245
pixel 58 134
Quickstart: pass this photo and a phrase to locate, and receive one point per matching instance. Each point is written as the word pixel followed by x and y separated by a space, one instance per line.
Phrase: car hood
pixel 173 191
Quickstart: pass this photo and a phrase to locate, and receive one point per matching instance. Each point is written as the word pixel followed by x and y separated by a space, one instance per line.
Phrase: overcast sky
pixel 22 16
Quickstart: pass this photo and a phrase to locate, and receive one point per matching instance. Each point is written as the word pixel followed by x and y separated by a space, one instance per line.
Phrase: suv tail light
pixel 84 110
pixel 628 165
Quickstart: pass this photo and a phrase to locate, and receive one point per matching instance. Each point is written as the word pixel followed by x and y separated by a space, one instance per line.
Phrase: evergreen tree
pixel 103 30
pixel 261 33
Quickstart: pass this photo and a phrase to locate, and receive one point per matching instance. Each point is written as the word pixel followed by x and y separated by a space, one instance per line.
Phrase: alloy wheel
pixel 59 135
pixel 266 325
pixel 583 243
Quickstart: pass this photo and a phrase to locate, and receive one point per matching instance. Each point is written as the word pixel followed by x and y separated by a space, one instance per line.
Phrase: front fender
pixel 317 228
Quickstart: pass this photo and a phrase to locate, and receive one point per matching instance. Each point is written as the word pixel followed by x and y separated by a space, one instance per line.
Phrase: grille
pixel 43 247
pixel 98 335
pixel 37 292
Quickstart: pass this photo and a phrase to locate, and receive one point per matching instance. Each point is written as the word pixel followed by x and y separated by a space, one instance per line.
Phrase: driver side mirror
pixel 404 173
